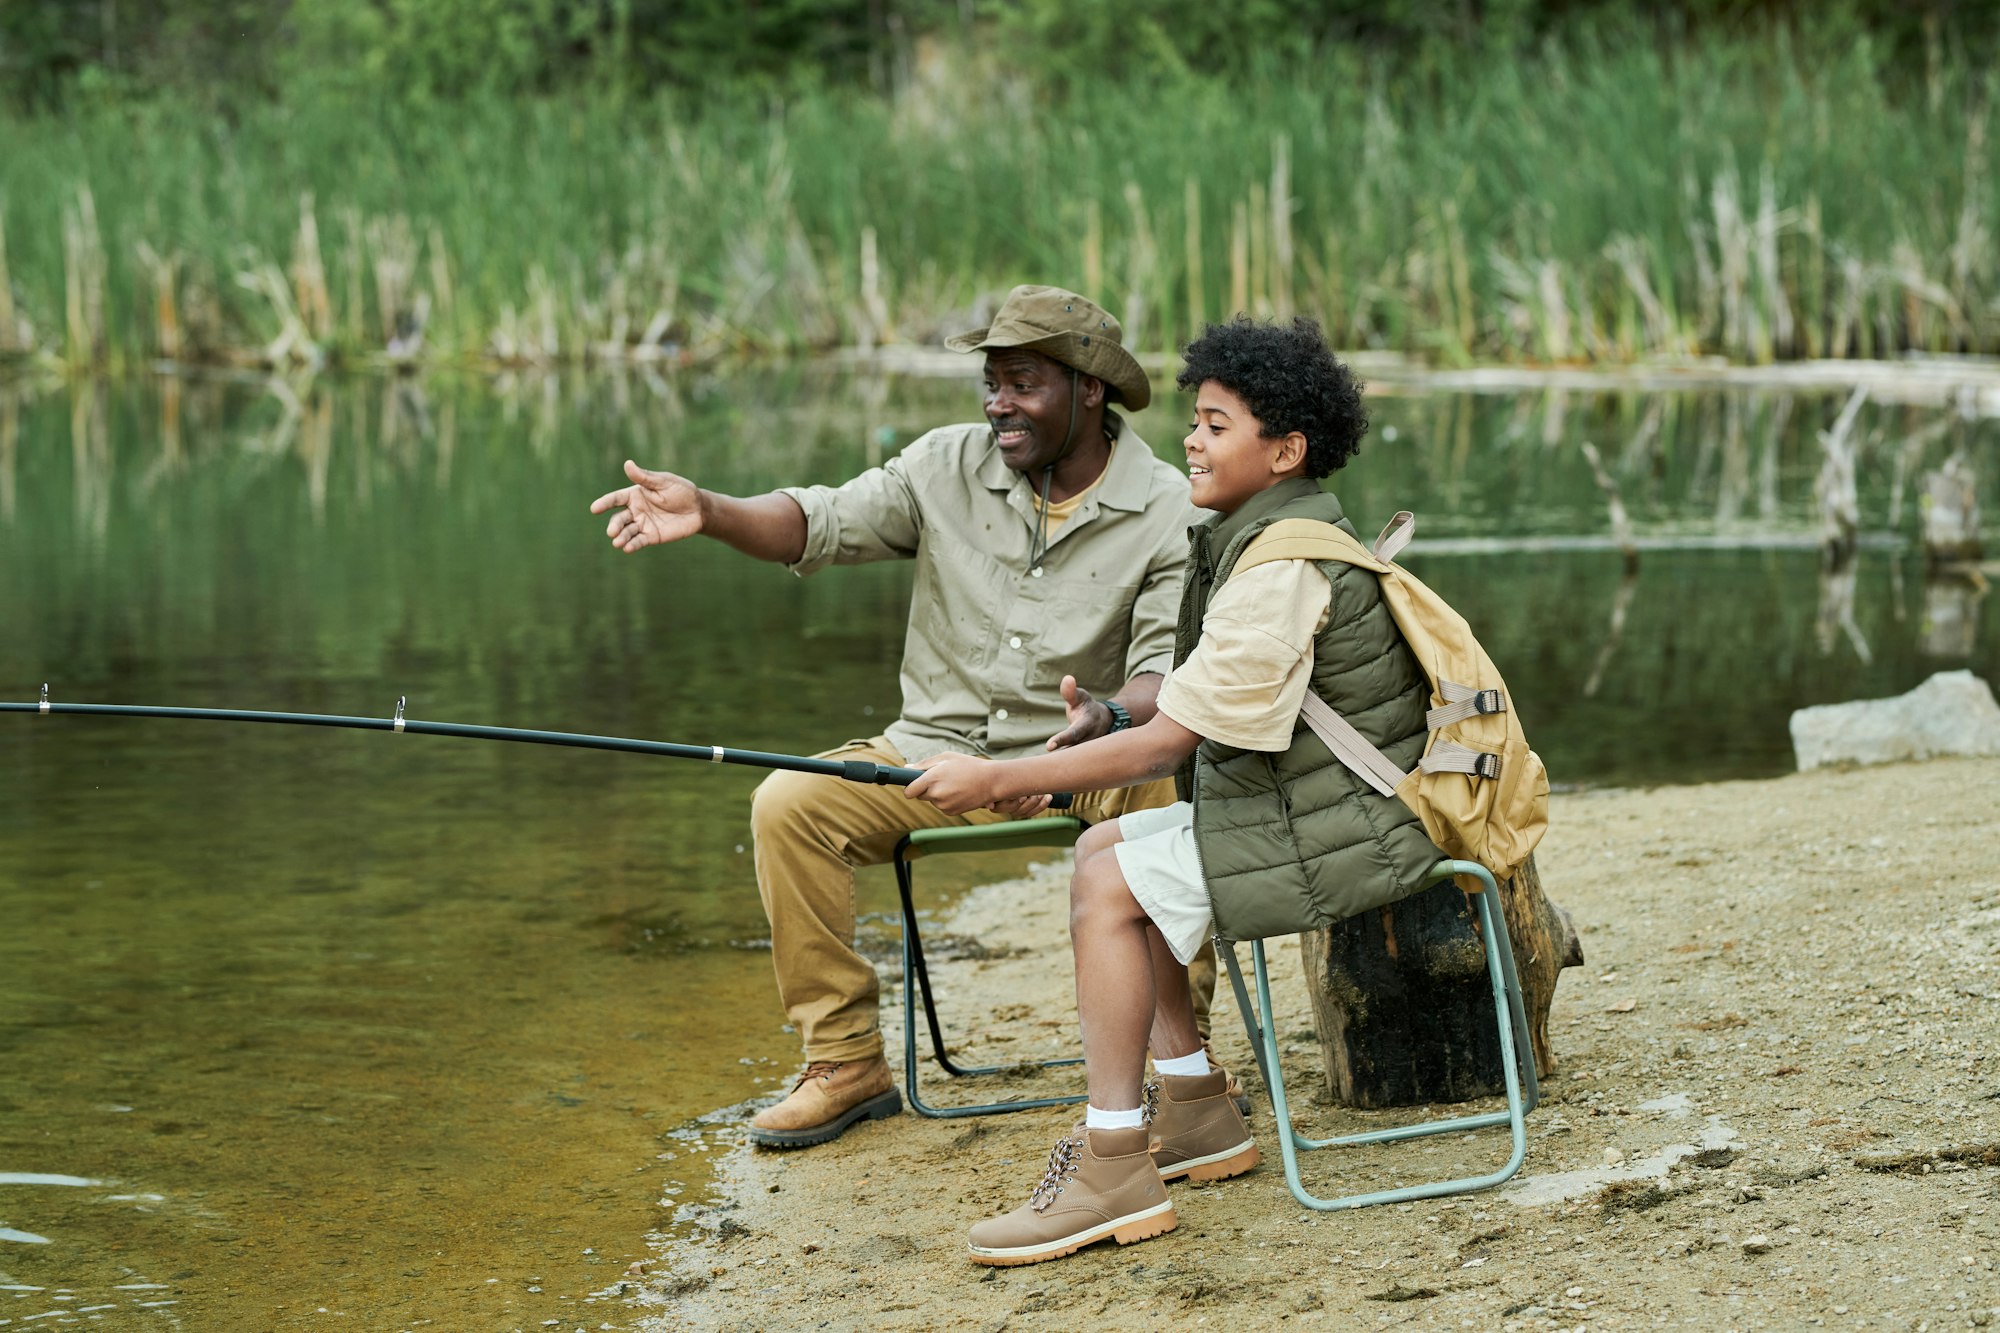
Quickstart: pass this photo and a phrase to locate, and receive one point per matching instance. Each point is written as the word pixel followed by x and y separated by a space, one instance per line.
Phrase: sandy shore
pixel 1778 1107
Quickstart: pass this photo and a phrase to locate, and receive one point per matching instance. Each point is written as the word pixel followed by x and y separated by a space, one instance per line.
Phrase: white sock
pixel 1093 1118
pixel 1185 1066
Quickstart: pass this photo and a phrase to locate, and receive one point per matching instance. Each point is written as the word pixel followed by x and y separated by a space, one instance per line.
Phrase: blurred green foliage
pixel 449 48
pixel 298 182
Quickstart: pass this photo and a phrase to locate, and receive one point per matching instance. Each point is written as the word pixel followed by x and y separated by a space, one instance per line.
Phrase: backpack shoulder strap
pixel 1310 539
pixel 1305 539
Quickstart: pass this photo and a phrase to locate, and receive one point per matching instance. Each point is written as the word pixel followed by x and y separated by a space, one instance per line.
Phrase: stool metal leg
pixel 917 983
pixel 1510 982
pixel 1510 1018
pixel 1244 1009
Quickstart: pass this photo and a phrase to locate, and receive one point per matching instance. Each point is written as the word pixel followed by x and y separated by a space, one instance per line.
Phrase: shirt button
pixel 1014 642
pixel 1000 713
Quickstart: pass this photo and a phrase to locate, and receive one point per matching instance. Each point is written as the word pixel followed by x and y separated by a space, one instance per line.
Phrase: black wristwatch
pixel 1120 719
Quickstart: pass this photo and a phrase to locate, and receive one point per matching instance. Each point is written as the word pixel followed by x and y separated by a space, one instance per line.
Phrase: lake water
pixel 297 1023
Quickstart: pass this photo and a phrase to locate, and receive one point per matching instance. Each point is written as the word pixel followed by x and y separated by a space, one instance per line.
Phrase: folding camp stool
pixel 1049 831
pixel 1517 1062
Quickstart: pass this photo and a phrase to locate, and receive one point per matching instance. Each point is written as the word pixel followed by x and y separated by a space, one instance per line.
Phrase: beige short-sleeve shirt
pixel 1245 680
pixel 990 638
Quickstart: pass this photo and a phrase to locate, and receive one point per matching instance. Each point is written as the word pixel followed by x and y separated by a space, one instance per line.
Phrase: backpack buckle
pixel 1487 766
pixel 1489 701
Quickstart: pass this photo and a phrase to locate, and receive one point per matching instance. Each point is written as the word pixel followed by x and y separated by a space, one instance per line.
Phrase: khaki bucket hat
pixel 1070 328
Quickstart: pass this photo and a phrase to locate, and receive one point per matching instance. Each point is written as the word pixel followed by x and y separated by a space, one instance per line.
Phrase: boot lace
pixel 1149 1106
pixel 817 1069
pixel 1064 1159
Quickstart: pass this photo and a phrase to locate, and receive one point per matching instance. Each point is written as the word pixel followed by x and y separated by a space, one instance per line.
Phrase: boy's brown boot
pixel 1100 1182
pixel 829 1097
pixel 1197 1130
pixel 1236 1093
pixel 1234 1089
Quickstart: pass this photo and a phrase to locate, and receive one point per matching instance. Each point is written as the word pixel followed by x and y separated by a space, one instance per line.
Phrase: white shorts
pixel 1158 859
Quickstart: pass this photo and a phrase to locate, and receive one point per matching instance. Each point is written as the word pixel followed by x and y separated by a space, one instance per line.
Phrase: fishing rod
pixel 852 770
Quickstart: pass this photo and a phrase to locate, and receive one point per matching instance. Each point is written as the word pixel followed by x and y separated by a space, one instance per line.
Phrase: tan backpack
pixel 1481 792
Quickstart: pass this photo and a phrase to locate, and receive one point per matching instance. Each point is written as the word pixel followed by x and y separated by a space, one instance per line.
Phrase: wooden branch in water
pixel 1621 522
pixel 1840 505
pixel 1620 605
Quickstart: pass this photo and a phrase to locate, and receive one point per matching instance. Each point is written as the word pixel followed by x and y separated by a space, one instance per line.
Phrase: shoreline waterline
pixel 1970 383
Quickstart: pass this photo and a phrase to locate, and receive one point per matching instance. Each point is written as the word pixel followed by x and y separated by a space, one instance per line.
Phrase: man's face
pixel 1028 404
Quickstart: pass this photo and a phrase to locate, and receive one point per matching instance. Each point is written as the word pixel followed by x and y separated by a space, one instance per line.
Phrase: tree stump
pixel 1401 1002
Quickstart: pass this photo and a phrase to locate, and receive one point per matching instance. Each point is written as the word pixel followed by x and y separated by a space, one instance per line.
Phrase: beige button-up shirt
pixel 990 639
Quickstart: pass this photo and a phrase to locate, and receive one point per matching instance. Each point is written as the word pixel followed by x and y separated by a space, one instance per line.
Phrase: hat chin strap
pixel 1038 547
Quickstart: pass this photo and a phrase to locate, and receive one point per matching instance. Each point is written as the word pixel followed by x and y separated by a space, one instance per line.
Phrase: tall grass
pixel 1595 201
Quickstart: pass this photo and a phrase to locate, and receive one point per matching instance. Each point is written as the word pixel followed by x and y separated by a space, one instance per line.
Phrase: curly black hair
pixel 1287 376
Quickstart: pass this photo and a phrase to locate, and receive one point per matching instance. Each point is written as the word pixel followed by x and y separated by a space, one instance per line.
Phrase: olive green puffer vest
pixel 1296 841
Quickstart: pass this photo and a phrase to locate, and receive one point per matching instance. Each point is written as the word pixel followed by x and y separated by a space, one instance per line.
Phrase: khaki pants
pixel 810 833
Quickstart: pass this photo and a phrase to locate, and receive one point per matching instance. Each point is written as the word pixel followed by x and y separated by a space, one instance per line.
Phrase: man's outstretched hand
pixel 657 507
pixel 1088 719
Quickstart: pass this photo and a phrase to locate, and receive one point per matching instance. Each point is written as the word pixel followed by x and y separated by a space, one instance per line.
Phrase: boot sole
pixel 1216 1166
pixel 1128 1230
pixel 879 1107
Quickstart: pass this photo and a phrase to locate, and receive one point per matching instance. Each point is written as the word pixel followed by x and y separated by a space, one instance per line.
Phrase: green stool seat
pixel 1517 1063
pixel 1048 831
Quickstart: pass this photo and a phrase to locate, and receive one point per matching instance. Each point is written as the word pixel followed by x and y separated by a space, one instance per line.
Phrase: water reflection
pixel 1951 617
pixel 420 1027
pixel 436 505
pixel 10 441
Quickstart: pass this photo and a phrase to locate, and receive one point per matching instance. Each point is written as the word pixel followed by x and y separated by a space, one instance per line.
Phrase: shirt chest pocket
pixel 1082 632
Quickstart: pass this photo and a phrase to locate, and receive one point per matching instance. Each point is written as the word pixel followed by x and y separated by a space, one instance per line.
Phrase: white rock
pixel 1952 713
pixel 1559 1187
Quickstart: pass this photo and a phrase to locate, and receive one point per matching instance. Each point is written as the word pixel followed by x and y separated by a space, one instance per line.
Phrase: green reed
pixel 1592 201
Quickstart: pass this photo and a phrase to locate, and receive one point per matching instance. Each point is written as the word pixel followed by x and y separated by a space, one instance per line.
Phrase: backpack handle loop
pixel 1395 536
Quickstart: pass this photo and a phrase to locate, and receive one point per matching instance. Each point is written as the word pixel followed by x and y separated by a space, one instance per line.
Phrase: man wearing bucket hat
pixel 1049 544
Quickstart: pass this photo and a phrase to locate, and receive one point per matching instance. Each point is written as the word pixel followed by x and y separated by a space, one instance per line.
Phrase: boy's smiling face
pixel 1229 459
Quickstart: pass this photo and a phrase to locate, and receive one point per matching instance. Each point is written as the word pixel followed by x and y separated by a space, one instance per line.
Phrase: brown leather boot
pixel 1236 1093
pixel 1100 1182
pixel 1197 1132
pixel 1235 1090
pixel 829 1096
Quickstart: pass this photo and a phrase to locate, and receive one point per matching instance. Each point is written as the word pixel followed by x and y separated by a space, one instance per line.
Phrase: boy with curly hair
pixel 1260 794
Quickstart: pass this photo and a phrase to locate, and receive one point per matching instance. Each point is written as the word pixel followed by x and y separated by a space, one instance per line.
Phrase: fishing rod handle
pixel 861 770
